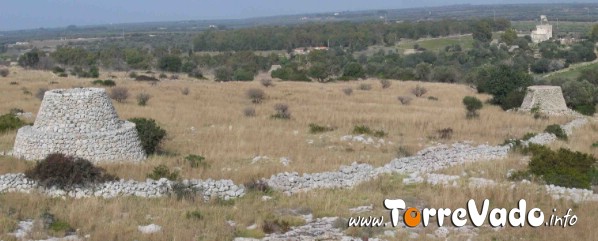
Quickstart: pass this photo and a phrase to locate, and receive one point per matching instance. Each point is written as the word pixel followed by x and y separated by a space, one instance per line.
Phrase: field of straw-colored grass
pixel 209 121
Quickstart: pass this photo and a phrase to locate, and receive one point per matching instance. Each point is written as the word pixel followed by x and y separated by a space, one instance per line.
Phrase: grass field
pixel 573 72
pixel 210 122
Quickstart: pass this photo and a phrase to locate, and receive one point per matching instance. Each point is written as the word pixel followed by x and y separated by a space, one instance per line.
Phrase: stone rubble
pixel 224 189
pixel 24 228
pixel 427 160
pixel 576 195
pixel 149 229
pixel 318 229
pixel 364 139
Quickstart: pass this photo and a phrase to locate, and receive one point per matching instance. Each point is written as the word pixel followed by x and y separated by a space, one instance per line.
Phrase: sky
pixel 28 14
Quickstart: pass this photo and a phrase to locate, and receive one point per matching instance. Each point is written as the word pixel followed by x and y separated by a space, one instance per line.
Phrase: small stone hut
pixel 548 99
pixel 79 122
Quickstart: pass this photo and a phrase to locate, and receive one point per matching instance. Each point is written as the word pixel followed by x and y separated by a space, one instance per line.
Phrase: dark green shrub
pixel 361 130
pixel 145 78
pixel 60 226
pixel 563 167
pixel 57 70
pixel 242 75
pixel 149 133
pixel 107 82
pixel 196 161
pixel 365 130
pixel 10 122
pixel 433 98
pixel 557 131
pixel 528 136
pixel 520 175
pixel 4 72
pixel 472 105
pixel 162 171
pixel 194 215
pixel 315 128
pixel 133 75
pixel 594 176
pixel 595 144
pixel 65 171
pixel 587 109
pixel 63 75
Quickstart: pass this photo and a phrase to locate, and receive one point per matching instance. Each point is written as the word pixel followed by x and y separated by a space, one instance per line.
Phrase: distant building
pixel 303 51
pixel 543 31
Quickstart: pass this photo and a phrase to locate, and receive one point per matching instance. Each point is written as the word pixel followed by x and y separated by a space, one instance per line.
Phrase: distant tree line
pixel 349 35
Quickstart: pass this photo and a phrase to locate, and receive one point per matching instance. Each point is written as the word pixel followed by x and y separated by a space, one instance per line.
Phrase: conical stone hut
pixel 79 122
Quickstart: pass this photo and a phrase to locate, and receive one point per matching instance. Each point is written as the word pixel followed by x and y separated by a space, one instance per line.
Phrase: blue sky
pixel 25 14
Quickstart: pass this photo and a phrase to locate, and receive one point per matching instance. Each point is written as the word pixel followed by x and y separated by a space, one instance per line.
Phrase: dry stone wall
pixel 79 122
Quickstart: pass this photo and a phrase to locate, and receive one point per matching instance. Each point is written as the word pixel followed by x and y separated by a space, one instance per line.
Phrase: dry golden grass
pixel 229 141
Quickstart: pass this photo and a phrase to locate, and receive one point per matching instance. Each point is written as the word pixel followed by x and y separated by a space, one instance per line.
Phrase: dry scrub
pixel 210 122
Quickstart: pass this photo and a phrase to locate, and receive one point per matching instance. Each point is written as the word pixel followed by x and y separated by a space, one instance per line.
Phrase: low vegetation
pixel 10 122
pixel 66 171
pixel 150 134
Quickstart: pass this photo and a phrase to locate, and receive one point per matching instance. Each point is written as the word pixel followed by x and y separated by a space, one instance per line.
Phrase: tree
pixel 509 36
pixel 594 33
pixel 579 95
pixel 504 83
pixel 422 71
pixel 223 74
pixel 171 63
pixel 472 105
pixel 318 71
pixel 353 70
pixel 482 32
pixel 29 59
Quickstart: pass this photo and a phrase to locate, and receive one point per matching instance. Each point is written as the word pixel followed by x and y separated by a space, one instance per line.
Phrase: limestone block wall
pixel 80 122
pixel 548 98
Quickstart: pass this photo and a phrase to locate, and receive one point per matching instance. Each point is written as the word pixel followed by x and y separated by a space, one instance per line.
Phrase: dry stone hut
pixel 80 122
pixel 548 99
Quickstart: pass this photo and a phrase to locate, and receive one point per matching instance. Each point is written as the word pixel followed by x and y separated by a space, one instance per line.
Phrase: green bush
pixel 107 82
pixel 557 131
pixel 586 109
pixel 149 133
pixel 196 161
pixel 162 171
pixel 10 122
pixel 315 128
pixel 472 104
pixel 365 130
pixel 194 215
pixel 65 171
pixel 563 167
